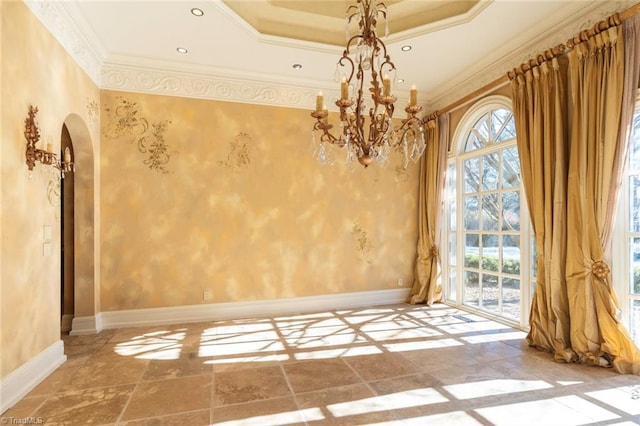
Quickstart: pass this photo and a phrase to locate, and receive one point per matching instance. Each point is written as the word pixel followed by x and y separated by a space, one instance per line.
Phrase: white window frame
pixel 456 156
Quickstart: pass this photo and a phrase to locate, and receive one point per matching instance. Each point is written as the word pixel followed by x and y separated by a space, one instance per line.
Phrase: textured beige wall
pixel 35 70
pixel 225 197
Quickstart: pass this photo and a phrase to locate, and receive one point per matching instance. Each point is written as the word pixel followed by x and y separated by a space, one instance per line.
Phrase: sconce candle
pixel 319 101
pixel 67 155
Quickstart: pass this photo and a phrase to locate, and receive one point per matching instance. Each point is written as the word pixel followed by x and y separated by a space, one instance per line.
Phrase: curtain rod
pixel 628 13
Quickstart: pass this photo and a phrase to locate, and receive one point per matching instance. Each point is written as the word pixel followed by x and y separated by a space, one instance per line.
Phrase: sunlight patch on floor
pixel 567 411
pixel 219 349
pixel 157 345
pixel 249 359
pixel 494 337
pixel 622 398
pixel 495 387
pixel 457 418
pixel 397 400
pixel 424 344
pixel 338 353
pixel 469 327
pixel 278 419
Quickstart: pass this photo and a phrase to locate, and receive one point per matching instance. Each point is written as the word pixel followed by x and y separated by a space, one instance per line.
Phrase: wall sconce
pixel 48 157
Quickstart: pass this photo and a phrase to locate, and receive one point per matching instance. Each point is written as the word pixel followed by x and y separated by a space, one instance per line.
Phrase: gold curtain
pixel 596 72
pixel 427 287
pixel 540 111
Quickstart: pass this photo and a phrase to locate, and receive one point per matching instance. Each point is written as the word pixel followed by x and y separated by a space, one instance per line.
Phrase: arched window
pixel 487 238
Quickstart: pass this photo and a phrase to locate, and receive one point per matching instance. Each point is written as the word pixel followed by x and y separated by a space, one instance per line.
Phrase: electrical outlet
pixel 400 283
pixel 206 295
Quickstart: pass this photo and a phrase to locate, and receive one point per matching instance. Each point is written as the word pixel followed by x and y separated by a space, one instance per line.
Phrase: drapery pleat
pixel 540 112
pixel 427 287
pixel 596 72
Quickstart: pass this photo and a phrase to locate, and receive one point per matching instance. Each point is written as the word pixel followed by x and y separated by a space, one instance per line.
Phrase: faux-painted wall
pixel 35 70
pixel 226 198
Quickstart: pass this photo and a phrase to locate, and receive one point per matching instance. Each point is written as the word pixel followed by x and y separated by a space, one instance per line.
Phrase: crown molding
pixel 157 77
pixel 206 86
pixel 80 43
pixel 528 45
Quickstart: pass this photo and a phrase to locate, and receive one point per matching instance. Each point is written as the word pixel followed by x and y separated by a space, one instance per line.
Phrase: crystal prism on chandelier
pixel 365 60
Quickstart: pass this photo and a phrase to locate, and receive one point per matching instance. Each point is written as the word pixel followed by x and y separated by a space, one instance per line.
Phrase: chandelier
pixel 365 60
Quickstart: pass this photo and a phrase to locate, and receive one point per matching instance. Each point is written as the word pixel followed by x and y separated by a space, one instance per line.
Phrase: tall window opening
pixel 488 241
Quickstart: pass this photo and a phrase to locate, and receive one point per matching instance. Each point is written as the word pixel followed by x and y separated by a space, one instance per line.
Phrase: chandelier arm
pixel 345 58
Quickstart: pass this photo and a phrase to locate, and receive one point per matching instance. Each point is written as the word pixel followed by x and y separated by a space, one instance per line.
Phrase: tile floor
pixel 392 365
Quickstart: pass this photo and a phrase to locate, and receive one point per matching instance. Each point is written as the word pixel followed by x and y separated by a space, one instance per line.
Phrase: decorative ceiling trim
pixel 528 46
pixel 145 80
pixel 85 49
pixel 207 83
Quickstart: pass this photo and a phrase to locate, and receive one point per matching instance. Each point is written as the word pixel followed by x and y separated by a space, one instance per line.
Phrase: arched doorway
pixel 67 263
pixel 80 202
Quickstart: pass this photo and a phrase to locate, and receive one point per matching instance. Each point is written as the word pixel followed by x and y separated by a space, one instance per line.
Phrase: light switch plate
pixel 46 249
pixel 46 233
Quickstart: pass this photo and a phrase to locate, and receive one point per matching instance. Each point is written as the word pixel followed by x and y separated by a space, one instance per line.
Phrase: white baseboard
pixel 251 309
pixel 86 325
pixel 26 377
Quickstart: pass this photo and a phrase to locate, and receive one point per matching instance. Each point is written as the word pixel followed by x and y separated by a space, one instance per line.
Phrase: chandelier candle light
pixel 366 58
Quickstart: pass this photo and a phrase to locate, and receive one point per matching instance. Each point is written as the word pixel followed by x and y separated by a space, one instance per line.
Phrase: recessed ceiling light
pixel 401 80
pixel 297 66
pixel 182 50
pixel 197 12
pixel 405 48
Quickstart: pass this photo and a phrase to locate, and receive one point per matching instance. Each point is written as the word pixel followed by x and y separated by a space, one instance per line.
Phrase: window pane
pixel 490 261
pixel 471 288
pixel 471 175
pixel 490 172
pixel 511 210
pixel 490 292
pixel 471 251
pixel 451 183
pixel 510 168
pixel 490 212
pixel 471 213
pixel 634 321
pixel 481 128
pixel 504 125
pixel 452 249
pixel 634 203
pixel 474 141
pixel 634 260
pixel 511 298
pixel 511 254
pixel 453 285
pixel 634 147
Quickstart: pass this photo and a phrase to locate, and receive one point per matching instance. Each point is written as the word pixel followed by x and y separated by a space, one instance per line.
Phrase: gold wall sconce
pixel 48 157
